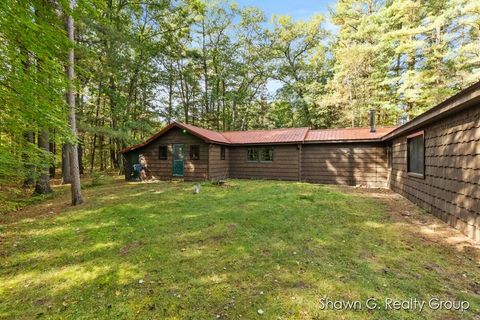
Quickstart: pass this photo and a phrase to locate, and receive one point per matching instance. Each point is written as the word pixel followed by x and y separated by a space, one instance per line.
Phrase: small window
pixel 162 152
pixel 194 152
pixel 266 154
pixel 222 153
pixel 260 154
pixel 252 154
pixel 390 156
pixel 416 154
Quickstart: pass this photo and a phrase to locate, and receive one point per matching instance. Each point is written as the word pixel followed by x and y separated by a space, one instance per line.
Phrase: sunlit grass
pixel 154 251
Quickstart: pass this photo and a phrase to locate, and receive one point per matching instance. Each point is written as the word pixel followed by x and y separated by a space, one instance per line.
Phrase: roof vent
pixel 372 120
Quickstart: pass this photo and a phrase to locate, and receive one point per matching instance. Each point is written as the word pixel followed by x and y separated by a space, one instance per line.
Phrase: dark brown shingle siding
pixel 162 169
pixel 450 189
pixel 283 167
pixel 218 169
pixel 349 164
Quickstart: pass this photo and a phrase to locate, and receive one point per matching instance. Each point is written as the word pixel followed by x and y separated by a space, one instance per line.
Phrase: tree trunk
pixel 97 113
pixel 170 95
pixel 80 156
pixel 101 143
pixel 205 67
pixel 43 183
pixel 66 178
pixel 74 167
pixel 92 159
pixel 29 168
pixel 53 150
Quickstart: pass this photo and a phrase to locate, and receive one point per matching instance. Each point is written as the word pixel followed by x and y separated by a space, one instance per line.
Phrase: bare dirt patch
pixel 419 222
pixel 131 246
pixel 47 208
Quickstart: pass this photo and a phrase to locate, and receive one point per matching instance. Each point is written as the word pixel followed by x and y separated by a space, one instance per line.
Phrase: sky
pixel 298 9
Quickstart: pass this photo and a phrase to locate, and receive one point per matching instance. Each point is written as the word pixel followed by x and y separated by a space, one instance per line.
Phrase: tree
pixel 296 49
pixel 74 165
pixel 42 185
pixel 31 64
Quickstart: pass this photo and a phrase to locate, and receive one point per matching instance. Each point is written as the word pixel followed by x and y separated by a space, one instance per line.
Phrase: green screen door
pixel 178 160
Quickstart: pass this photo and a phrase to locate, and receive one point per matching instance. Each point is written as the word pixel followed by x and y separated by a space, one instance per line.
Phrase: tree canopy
pixel 140 65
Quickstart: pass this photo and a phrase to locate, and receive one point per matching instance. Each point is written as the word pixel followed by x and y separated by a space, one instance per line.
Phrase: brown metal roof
pixel 204 134
pixel 288 135
pixel 274 136
pixel 348 134
pixel 463 99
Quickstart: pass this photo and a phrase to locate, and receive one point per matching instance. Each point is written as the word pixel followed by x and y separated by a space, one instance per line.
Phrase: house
pixel 433 160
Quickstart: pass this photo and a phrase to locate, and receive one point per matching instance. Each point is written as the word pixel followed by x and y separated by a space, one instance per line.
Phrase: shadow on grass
pixel 159 251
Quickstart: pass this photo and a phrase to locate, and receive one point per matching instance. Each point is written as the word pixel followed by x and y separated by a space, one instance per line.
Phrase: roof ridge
pixel 274 129
pixel 389 127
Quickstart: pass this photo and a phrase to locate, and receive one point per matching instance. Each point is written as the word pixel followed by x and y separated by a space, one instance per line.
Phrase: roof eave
pixel 165 130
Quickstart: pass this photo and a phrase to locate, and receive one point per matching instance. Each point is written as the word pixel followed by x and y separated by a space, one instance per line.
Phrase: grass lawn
pixel 156 251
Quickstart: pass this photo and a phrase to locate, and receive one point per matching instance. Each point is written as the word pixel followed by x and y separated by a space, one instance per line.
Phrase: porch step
pixel 178 180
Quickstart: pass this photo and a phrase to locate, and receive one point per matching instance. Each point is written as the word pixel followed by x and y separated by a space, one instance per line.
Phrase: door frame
pixel 173 159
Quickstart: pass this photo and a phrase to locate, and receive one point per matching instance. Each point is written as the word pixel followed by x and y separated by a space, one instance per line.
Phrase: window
pixel 162 153
pixel 252 154
pixel 260 154
pixel 389 156
pixel 416 154
pixel 222 153
pixel 266 154
pixel 194 152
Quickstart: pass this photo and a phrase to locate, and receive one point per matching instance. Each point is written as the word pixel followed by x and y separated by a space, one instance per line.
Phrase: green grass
pixel 155 251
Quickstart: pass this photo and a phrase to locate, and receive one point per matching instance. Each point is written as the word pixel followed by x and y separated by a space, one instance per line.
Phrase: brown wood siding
pixel 349 164
pixel 162 169
pixel 217 168
pixel 450 189
pixel 283 167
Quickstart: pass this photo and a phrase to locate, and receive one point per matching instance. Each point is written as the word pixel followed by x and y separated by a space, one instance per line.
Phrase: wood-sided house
pixel 346 156
pixel 433 160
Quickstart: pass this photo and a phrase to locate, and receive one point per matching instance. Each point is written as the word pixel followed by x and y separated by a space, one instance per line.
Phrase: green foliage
pixel 97 179
pixel 211 63
pixel 401 56
pixel 299 61
pixel 33 48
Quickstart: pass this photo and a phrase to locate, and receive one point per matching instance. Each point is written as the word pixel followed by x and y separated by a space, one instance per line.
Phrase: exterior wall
pixel 283 167
pixel 450 188
pixel 218 169
pixel 348 164
pixel 162 169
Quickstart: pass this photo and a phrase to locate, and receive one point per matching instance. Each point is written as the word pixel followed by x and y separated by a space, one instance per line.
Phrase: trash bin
pixel 135 175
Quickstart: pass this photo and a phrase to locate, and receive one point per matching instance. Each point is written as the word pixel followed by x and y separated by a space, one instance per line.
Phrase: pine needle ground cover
pixel 249 249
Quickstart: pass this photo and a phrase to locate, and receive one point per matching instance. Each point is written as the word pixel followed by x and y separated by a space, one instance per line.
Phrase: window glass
pixel 194 152
pixel 222 153
pixel 162 153
pixel 252 154
pixel 390 156
pixel 416 157
pixel 260 154
pixel 266 154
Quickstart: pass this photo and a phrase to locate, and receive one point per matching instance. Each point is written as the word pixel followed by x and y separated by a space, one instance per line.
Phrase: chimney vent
pixel 372 120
